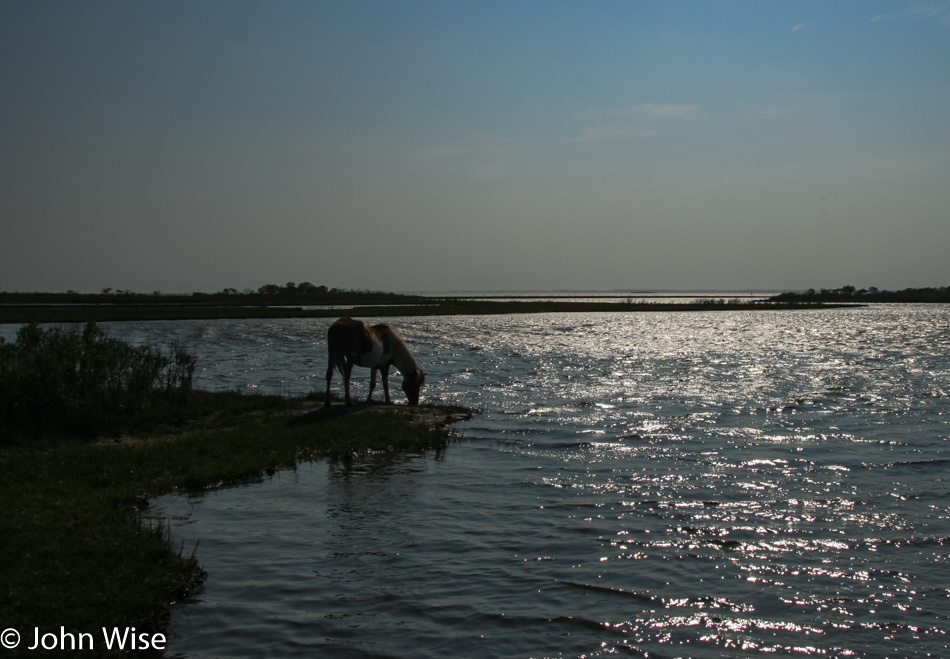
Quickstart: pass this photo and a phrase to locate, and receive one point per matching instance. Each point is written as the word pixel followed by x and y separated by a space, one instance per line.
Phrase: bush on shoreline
pixel 84 382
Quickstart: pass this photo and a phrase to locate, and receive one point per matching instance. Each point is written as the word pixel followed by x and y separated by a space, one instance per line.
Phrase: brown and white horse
pixel 351 342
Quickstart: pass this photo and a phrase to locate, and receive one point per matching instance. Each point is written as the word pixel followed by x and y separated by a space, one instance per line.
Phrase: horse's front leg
pixel 347 371
pixel 385 371
pixel 372 383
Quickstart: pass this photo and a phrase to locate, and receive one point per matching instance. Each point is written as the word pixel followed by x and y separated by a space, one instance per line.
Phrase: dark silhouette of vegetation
pixel 850 294
pixel 268 301
pixel 268 294
pixel 83 382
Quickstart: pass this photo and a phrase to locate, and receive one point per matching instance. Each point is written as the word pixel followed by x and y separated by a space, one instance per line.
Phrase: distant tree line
pixel 303 289
pixel 303 293
pixel 290 289
pixel 870 294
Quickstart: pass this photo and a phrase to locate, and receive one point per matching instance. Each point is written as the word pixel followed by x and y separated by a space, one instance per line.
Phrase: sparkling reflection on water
pixel 688 484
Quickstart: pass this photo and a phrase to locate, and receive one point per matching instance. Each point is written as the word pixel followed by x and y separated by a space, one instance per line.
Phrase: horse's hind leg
pixel 385 372
pixel 326 400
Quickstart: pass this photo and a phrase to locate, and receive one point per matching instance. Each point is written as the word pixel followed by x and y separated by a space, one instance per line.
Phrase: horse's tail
pixel 337 363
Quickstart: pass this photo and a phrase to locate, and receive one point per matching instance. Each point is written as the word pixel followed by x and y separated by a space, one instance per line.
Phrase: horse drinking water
pixel 351 342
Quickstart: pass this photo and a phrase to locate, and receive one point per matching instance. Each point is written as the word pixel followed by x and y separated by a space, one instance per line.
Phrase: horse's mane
pixel 401 348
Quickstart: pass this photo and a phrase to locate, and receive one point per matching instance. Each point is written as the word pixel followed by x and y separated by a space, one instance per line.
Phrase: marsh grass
pixel 84 382
pixel 76 552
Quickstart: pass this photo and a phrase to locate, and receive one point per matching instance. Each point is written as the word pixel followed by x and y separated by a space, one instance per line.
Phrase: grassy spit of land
pixel 79 550
pixel 91 428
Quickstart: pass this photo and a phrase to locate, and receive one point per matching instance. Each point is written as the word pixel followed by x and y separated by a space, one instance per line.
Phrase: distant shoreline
pixel 327 303
pixel 142 311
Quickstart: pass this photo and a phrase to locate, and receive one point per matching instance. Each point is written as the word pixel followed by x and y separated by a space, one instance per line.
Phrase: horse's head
pixel 412 383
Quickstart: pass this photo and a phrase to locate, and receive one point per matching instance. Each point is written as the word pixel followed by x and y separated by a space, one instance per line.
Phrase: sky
pixel 408 145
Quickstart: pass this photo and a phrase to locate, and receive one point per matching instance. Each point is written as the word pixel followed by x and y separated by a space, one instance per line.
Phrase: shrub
pixel 82 382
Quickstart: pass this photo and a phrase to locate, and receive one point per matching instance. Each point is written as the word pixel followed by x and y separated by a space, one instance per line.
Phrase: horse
pixel 351 342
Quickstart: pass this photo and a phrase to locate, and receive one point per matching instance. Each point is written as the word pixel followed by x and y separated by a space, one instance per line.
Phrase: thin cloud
pixel 478 144
pixel 928 11
pixel 490 171
pixel 479 157
pixel 798 27
pixel 939 12
pixel 659 110
pixel 612 130
pixel 638 121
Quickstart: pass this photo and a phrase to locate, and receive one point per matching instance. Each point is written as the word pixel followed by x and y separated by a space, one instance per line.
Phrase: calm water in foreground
pixel 664 485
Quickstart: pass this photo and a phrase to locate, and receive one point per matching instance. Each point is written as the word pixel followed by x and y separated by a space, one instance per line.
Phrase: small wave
pixel 631 594
pixel 568 445
pixel 918 463
pixel 936 462
pixel 935 541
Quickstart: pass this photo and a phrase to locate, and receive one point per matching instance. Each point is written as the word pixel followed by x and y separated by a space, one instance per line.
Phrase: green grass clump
pixel 83 382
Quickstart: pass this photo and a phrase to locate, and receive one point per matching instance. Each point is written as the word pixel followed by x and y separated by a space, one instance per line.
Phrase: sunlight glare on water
pixel 664 484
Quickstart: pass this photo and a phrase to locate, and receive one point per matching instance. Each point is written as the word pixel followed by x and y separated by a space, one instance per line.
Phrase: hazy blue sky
pixel 445 145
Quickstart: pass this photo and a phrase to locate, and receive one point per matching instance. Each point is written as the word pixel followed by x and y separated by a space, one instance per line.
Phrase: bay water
pixel 730 483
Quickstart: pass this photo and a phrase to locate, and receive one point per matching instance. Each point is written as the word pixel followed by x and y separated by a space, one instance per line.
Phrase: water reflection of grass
pixel 76 552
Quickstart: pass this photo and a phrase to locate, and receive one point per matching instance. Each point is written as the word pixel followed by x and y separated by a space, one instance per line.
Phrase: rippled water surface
pixel 650 484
